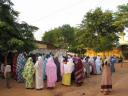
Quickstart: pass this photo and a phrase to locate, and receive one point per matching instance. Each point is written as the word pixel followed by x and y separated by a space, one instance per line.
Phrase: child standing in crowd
pixel 7 75
pixel 2 70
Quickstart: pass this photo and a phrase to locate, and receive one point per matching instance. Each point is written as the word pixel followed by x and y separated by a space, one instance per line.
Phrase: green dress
pixel 28 73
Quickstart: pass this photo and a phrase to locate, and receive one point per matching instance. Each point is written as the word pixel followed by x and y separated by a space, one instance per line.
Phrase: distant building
pixel 122 40
pixel 46 48
pixel 44 45
pixel 124 45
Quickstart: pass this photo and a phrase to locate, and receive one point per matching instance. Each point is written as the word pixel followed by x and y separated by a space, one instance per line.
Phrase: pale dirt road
pixel 91 87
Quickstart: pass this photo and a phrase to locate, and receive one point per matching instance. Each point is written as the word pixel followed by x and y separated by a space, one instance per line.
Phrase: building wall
pixel 122 40
pixel 116 52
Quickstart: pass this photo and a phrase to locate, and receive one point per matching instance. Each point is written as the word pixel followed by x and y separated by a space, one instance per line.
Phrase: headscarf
pixel 39 62
pixel 28 68
pixel 107 61
pixel 51 69
pixel 98 60
pixel 91 60
pixel 69 67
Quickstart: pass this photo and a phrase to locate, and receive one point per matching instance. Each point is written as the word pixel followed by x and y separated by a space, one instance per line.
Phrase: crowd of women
pixel 35 70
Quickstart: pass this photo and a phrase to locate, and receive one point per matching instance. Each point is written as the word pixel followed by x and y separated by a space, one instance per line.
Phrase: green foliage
pixel 121 16
pixel 61 37
pixel 99 30
pixel 97 26
pixel 14 35
pixel 68 33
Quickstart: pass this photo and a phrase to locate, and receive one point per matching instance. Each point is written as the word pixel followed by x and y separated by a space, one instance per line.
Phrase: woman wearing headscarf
pixel 39 73
pixel 51 73
pixel 44 66
pixel 106 82
pixel 58 68
pixel 28 73
pixel 20 66
pixel 98 65
pixel 113 62
pixel 68 69
pixel 14 65
pixel 79 71
pixel 61 58
pixel 92 62
pixel 87 66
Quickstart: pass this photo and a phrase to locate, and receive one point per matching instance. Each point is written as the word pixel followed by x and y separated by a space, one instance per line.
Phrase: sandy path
pixel 90 87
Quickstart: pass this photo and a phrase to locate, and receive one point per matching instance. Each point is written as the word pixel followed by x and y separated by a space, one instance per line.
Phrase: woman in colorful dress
pixel 51 73
pixel 106 82
pixel 68 69
pixel 28 73
pixel 21 60
pixel 79 72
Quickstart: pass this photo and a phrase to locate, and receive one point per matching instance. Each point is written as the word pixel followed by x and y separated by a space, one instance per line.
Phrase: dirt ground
pixel 91 86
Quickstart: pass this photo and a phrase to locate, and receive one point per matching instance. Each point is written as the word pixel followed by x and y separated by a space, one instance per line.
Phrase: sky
pixel 49 14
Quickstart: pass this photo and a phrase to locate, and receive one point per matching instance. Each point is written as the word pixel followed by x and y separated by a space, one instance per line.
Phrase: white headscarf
pixel 107 60
pixel 91 60
pixel 98 61
pixel 69 67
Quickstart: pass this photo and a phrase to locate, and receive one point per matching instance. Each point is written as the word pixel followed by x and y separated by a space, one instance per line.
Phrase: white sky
pixel 48 14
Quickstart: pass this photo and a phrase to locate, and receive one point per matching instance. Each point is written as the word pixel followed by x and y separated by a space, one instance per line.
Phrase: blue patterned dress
pixel 20 66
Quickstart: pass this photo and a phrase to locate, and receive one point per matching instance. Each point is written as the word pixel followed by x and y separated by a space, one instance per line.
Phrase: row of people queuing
pixel 43 67
pixel 52 69
pixel 93 65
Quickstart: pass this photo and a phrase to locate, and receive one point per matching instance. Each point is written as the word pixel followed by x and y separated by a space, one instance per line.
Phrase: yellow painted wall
pixel 115 52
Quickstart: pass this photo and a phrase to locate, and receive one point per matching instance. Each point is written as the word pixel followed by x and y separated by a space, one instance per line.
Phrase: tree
pixel 61 37
pixel 122 20
pixel 98 31
pixel 54 37
pixel 68 35
pixel 77 45
pixel 14 35
pixel 122 16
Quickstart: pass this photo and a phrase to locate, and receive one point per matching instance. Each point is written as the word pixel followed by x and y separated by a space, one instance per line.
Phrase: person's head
pixel 47 56
pixel 107 61
pixel 65 60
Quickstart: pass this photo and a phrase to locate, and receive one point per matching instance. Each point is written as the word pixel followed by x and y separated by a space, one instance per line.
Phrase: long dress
pixel 44 68
pixel 68 69
pixel 20 66
pixel 92 62
pixel 87 66
pixel 98 65
pixel 60 59
pixel 39 73
pixel 58 68
pixel 51 73
pixel 14 65
pixel 79 71
pixel 106 82
pixel 28 73
pixel 112 65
